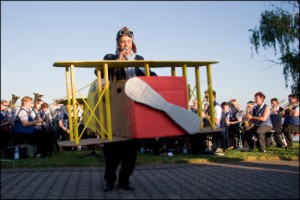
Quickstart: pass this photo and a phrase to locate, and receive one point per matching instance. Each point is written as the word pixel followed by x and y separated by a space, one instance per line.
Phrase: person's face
pixel 258 100
pixel 225 108
pixel 207 97
pixel 28 104
pixel 274 104
pixel 125 41
pixel 4 106
pixel 38 105
pixel 292 100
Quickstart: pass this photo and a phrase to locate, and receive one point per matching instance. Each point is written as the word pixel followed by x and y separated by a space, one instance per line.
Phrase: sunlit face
pixel 258 100
pixel 225 108
pixel 292 100
pixel 125 41
pixel 274 104
pixel 28 104
pixel 4 106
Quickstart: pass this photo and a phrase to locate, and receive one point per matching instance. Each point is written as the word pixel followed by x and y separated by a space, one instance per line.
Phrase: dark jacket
pixel 119 73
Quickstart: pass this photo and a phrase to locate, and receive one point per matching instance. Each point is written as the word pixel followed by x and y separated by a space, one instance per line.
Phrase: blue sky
pixel 34 35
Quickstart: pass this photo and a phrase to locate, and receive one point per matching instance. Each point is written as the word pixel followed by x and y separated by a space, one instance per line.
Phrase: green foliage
pixel 279 28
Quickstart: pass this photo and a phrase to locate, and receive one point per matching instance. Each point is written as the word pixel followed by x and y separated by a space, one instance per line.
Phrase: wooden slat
pixel 136 63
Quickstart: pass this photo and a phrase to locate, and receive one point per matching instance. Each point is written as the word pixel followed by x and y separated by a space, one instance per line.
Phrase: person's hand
pixel 123 53
pixel 38 121
pixel 203 115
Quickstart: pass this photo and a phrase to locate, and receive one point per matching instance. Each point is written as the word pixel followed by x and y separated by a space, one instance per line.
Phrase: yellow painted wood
pixel 107 103
pixel 132 63
pixel 198 93
pixel 74 105
pixel 69 103
pixel 101 113
pixel 104 90
pixel 210 93
pixel 173 71
pixel 147 69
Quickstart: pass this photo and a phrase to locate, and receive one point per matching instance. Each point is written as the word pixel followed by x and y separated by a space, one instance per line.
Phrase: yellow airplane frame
pixel 103 90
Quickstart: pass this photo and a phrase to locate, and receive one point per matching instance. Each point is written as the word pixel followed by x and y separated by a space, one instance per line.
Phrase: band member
pixel 276 109
pixel 260 118
pixel 5 124
pixel 291 119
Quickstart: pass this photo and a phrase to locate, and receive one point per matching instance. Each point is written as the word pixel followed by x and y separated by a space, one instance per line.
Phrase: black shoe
pixel 126 186
pixel 107 187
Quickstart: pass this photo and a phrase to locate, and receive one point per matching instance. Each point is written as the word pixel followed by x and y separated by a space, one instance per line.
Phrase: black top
pixel 119 73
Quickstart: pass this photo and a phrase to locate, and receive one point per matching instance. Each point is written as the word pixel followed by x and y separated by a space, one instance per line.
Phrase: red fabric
pixel 147 122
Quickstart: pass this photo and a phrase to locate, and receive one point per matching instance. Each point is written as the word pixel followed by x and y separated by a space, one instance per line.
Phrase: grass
pixel 72 158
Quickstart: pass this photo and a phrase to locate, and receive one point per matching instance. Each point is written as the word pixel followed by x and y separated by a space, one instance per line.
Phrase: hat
pixel 125 31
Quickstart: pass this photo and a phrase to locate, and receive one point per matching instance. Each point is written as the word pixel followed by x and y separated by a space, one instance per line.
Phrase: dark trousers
pixel 5 137
pixel 116 152
pixel 288 130
pixel 39 138
pixel 260 133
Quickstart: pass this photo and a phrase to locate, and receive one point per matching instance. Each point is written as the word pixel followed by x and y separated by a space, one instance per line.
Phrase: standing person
pixel 124 151
pixel 260 118
pixel 291 119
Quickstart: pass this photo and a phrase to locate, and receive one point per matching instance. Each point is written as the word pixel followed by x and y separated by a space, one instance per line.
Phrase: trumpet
pixel 286 106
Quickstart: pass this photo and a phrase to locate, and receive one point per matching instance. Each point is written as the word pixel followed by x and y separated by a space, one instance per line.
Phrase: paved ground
pixel 238 180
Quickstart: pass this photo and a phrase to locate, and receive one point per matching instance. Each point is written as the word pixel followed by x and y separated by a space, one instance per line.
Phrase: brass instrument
pixel 36 97
pixel 13 101
pixel 286 106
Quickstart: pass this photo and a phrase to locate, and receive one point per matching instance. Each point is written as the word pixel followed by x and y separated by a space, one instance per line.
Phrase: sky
pixel 35 35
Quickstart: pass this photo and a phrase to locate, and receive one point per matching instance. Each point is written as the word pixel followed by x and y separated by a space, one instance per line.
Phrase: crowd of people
pixel 36 124
pixel 245 131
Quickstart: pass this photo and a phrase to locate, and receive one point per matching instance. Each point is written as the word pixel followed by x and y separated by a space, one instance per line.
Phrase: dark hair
pixel 275 99
pixel 214 93
pixel 261 95
pixel 250 102
pixel 294 96
pixel 224 104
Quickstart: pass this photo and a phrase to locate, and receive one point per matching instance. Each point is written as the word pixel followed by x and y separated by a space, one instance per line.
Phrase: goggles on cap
pixel 122 33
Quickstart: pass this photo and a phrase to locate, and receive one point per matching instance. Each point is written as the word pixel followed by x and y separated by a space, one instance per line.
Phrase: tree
pixel 279 28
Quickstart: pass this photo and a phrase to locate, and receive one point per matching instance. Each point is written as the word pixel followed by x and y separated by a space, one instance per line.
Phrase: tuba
pixel 37 96
pixel 13 101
